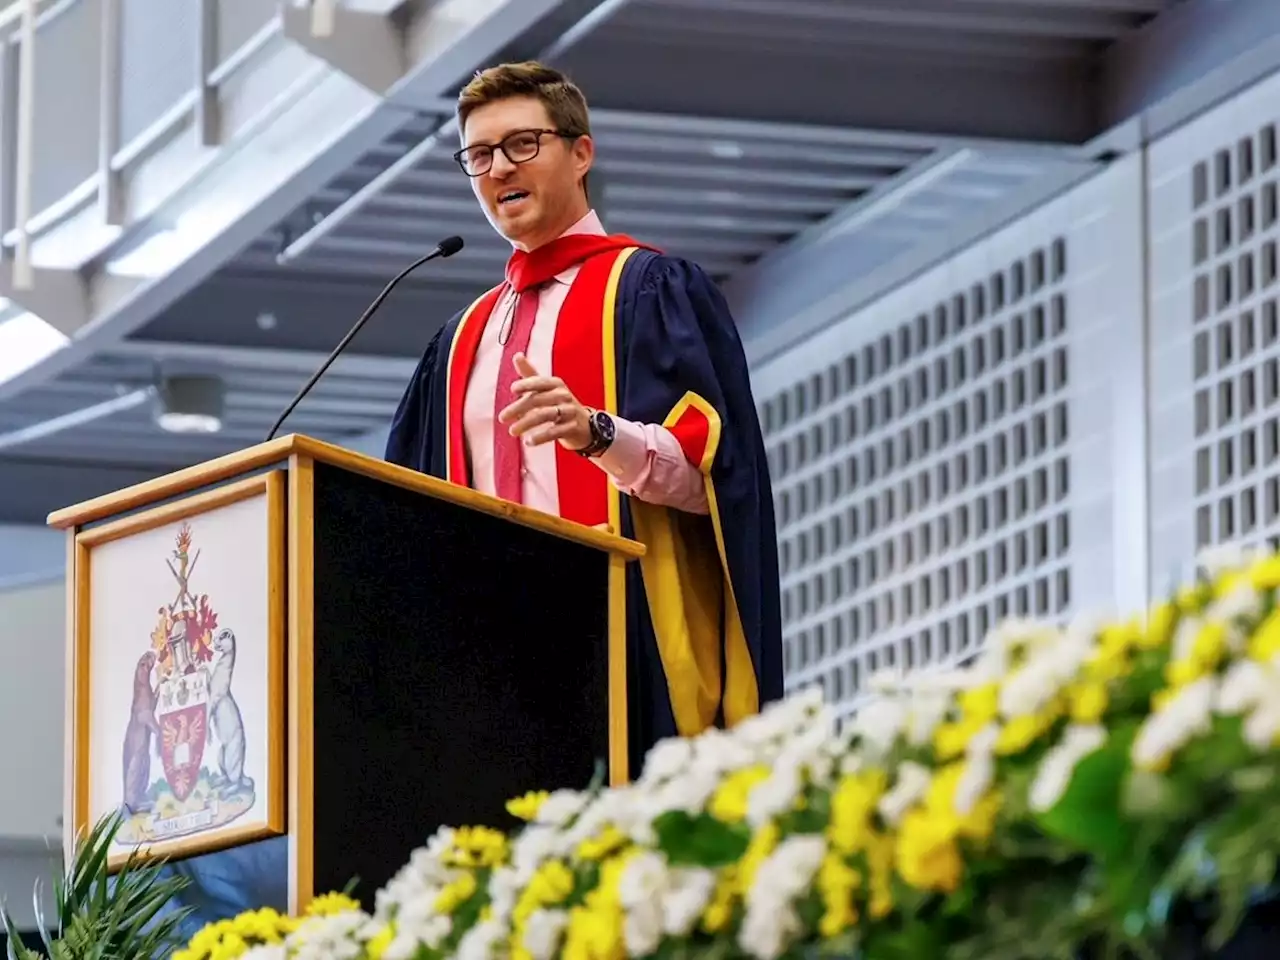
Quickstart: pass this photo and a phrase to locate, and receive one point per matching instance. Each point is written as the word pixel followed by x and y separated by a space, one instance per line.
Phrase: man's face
pixel 534 201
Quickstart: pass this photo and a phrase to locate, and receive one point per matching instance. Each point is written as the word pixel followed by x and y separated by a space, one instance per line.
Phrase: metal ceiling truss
pixel 301 167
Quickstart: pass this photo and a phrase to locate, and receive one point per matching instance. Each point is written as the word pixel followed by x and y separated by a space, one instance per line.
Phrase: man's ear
pixel 584 155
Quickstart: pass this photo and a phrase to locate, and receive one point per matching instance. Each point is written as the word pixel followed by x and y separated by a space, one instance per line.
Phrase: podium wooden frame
pixel 266 485
pixel 284 471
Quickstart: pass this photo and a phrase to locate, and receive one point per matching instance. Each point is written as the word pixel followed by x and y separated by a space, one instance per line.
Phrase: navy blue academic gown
pixel 677 360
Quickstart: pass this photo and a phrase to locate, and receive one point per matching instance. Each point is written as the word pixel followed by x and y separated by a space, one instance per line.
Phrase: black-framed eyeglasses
pixel 518 147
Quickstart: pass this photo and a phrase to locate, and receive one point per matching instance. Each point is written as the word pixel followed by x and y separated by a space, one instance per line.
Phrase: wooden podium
pixel 300 641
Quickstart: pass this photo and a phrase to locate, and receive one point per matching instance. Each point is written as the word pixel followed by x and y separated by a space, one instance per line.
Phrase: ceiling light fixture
pixel 727 150
pixel 190 403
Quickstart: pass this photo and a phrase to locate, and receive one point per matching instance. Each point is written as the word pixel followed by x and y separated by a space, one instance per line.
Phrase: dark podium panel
pixel 459 659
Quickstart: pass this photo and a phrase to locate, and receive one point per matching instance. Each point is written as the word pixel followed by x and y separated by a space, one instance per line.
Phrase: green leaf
pixel 700 841
pixel 100 917
pixel 914 941
pixel 1088 814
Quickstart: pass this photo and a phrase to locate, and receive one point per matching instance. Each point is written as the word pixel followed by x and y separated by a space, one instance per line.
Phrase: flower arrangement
pixel 1065 795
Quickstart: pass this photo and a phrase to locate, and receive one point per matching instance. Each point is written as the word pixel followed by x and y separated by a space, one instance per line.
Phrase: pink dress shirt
pixel 645 460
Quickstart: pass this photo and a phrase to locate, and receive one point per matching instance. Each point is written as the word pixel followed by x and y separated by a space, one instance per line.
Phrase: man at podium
pixel 605 382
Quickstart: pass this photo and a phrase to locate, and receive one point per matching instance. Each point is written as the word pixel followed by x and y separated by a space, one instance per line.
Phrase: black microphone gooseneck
pixel 445 248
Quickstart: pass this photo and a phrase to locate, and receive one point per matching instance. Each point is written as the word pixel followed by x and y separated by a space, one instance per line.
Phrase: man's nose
pixel 501 167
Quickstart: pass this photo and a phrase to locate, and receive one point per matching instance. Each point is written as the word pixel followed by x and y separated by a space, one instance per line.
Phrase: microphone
pixel 445 248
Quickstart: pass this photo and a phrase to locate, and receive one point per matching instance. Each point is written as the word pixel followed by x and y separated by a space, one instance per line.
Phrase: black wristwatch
pixel 603 431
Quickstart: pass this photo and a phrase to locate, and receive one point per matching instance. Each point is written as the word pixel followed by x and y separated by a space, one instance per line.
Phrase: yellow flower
pixel 719 911
pixel 232 946
pixel 455 894
pixel 594 931
pixel 1162 698
pixel 477 847
pixel 927 855
pixel 1020 732
pixel 880 855
pixel 837 882
pixel 610 840
pixel 1264 645
pixel 1265 573
pixel 1179 673
pixel 1110 658
pixel 551 883
pixel 1087 702
pixel 762 844
pixel 1210 645
pixel 1161 623
pixel 377 946
pixel 853 803
pixel 527 807
pixel 1191 600
pixel 981 703
pixel 329 904
pixel 951 739
pixel 729 804
pixel 940 803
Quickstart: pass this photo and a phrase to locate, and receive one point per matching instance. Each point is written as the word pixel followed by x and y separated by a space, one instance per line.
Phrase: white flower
pixel 480 941
pixel 928 709
pixel 1039 679
pixel 1059 764
pixel 912 783
pixel 774 795
pixel 1243 602
pixel 561 807
pixel 504 891
pixel 543 931
pixel 1252 689
pixel 770 922
pixel 779 721
pixel 417 925
pixel 1184 638
pixel 878 724
pixel 1262 726
pixel 1163 732
pixel 535 844
pixel 983 743
pixel 1224 558
pixel 1245 685
pixel 667 758
pixel 334 937
pixel 722 751
pixel 688 892
pixel 640 892
pixel 265 951
pixel 975 779
pixel 421 878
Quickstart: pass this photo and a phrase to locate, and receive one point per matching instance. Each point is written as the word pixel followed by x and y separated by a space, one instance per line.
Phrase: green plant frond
pixel 97 916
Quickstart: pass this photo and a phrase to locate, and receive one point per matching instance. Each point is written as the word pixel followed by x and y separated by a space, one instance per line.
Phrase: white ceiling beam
pixel 324 124
pixel 1056 22
pixel 243 359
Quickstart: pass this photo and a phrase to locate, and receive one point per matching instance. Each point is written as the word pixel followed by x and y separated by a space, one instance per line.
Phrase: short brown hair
pixel 566 106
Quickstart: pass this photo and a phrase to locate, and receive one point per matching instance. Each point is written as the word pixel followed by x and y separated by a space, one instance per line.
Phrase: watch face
pixel 604 425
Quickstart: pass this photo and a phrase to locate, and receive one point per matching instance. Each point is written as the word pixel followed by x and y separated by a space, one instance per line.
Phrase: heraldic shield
pixel 183 713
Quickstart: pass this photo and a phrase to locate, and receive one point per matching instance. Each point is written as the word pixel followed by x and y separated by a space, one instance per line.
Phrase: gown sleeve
pixel 417 427
pixel 681 364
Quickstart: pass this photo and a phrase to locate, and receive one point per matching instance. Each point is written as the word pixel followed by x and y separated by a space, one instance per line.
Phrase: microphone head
pixel 449 246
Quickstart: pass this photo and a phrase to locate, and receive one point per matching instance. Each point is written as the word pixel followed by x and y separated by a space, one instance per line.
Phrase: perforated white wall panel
pixel 943 459
pixel 1215 344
